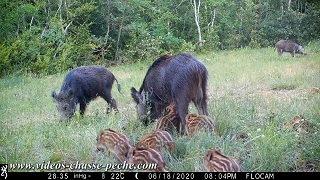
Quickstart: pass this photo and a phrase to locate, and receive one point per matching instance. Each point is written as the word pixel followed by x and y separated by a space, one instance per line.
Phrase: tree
pixel 67 34
pixel 197 20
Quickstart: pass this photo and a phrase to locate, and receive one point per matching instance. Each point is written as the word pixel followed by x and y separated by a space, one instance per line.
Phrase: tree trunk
pixel 196 17
pixel 108 29
pixel 119 34
pixel 289 4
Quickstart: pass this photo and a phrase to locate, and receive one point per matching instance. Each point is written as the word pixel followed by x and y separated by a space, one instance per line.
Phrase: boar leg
pixel 82 107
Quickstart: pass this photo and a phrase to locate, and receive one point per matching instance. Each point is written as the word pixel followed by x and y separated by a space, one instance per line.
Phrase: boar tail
pixel 118 85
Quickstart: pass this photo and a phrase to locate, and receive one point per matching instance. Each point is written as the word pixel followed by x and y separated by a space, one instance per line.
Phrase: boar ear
pixel 137 97
pixel 218 151
pixel 130 152
pixel 54 94
pixel 126 154
pixel 70 92
pixel 208 156
pixel 133 152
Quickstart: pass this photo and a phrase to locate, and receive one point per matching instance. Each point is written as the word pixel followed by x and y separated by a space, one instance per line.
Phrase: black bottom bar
pixel 158 175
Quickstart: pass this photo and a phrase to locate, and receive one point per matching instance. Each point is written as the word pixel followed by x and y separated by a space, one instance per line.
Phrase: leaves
pixel 68 33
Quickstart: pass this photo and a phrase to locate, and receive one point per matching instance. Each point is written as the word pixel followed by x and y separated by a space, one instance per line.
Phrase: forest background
pixel 50 36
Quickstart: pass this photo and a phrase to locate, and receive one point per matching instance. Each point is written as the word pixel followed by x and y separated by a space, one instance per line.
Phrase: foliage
pixel 46 37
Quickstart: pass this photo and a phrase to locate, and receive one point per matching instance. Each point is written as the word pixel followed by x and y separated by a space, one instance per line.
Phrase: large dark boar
pixel 80 86
pixel 179 79
pixel 289 46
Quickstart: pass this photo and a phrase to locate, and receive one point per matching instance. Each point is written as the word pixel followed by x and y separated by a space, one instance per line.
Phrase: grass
pixel 252 93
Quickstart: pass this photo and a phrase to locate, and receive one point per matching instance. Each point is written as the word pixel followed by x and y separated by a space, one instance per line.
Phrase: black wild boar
pixel 172 78
pixel 80 86
pixel 289 46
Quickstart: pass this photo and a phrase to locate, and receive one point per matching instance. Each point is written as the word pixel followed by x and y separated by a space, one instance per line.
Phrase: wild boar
pixel 177 78
pixel 80 86
pixel 289 46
